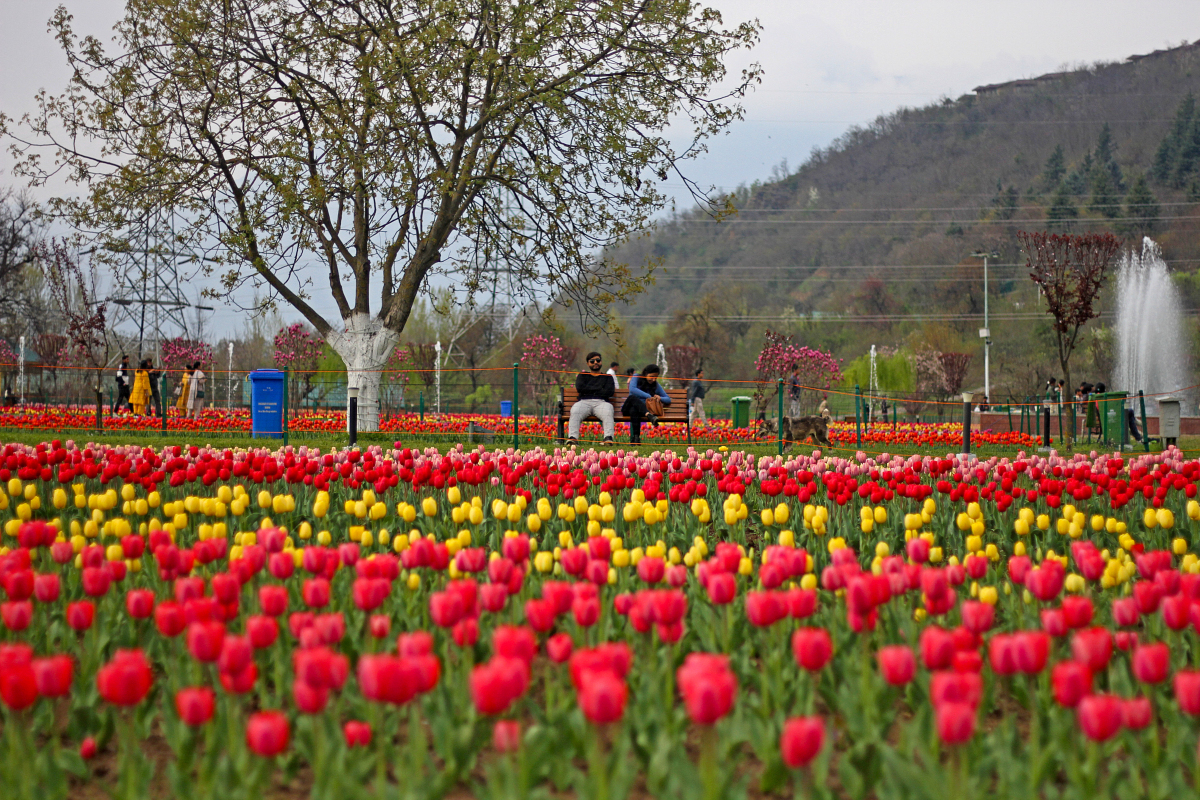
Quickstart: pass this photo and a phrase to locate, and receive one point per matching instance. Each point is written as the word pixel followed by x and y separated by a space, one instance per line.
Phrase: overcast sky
pixel 826 65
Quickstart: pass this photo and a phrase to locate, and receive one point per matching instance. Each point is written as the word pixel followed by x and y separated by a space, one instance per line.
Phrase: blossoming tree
pixel 299 350
pixel 545 360
pixel 818 370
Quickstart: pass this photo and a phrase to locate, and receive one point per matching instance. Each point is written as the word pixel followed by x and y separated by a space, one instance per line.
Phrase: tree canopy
pixel 390 140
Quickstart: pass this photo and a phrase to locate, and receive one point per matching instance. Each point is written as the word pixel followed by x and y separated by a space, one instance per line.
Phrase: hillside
pixel 870 240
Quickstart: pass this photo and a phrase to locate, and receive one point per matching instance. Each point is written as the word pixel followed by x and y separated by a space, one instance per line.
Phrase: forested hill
pixel 870 241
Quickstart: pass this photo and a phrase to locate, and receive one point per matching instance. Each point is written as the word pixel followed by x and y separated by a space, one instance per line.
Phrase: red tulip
pixel 722 588
pixel 239 682
pixel 466 632
pixel 46 587
pixel 87 749
pixel 937 648
pixel 139 603
pixel 1137 713
pixel 53 675
pixel 267 733
pixel 506 736
pixel 379 625
pixel 812 648
pixel 309 699
pixel 802 740
pixel 17 614
pixel 559 647
pixel 387 678
pixel 315 592
pixel 358 734
pixel 169 618
pixel 1092 647
pixel 417 643
pixel 602 697
pixel 955 722
pixel 1032 651
pixel 708 687
pixel 978 617
pixel 651 569
pixel 195 705
pixel 1072 681
pixel 1099 716
pixel 897 664
pixel 616 658
pixel 446 608
pixel 236 653
pixel 225 588
pixel 18 685
pixel 497 683
pixel 1054 621
pixel 1077 611
pixel 1125 610
pixel 1175 611
pixel 80 615
pixel 1146 597
pixel 802 603
pixel 95 581
pixel 956 687
pixel 273 600
pixel 540 614
pixel 1187 690
pixel 513 641
pixel 493 597
pixel 19 584
pixel 204 640
pixel 1151 662
pixel 764 609
pixel 126 680
pixel 262 631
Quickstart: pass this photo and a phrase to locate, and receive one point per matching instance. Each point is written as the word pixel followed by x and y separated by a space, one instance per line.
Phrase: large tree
pixel 380 142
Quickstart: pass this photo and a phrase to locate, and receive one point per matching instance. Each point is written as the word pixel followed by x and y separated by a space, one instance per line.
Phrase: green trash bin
pixel 1112 415
pixel 741 412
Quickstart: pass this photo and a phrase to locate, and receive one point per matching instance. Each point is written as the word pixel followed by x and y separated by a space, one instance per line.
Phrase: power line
pixel 1075 221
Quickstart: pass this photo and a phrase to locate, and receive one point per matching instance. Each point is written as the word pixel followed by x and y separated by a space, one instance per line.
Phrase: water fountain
pixel 1152 350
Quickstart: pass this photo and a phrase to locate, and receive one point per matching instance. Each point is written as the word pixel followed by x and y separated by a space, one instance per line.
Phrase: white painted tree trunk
pixel 365 346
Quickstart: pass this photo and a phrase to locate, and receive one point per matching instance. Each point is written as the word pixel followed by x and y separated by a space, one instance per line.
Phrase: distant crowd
pixel 140 393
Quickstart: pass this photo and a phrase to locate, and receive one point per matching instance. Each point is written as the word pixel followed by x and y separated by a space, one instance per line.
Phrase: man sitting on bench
pixel 595 389
pixel 646 397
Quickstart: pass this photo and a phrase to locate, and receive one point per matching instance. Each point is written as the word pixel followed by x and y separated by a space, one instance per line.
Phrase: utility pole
pixel 985 332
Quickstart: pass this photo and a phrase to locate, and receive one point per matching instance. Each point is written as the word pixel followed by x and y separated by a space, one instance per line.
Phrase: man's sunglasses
pixel 593 361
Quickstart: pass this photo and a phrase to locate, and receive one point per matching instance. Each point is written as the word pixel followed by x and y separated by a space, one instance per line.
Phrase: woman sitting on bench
pixel 646 397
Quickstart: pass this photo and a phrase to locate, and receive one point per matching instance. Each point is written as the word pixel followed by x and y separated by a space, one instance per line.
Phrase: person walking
pixel 155 375
pixel 794 390
pixel 646 397
pixel 183 391
pixel 196 403
pixel 612 370
pixel 696 391
pixel 595 390
pixel 139 395
pixel 630 374
pixel 123 387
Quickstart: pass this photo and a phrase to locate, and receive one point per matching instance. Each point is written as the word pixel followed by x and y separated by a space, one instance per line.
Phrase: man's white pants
pixel 582 409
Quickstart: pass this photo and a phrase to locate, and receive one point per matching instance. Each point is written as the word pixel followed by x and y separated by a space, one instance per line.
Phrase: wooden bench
pixel 677 411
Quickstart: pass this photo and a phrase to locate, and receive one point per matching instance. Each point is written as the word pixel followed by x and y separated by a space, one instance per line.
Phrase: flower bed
pixel 451 426
pixel 415 623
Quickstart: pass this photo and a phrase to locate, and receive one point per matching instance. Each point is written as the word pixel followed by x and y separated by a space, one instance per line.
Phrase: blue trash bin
pixel 266 403
pixel 506 408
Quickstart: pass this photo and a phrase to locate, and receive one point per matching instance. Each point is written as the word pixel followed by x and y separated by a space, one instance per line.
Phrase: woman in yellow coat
pixel 181 404
pixel 139 397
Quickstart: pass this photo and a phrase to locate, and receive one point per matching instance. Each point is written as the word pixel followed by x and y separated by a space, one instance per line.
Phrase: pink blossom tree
pixel 545 361
pixel 179 352
pixel 299 350
pixel 818 370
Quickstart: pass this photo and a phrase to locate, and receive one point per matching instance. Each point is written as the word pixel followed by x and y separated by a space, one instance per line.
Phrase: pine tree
pixel 1080 180
pixel 1106 199
pixel 1106 157
pixel 1189 153
pixel 1141 209
pixel 1056 167
pixel 1062 208
pixel 1167 158
pixel 1004 204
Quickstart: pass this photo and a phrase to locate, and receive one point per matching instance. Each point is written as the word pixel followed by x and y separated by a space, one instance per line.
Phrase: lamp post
pixel 352 420
pixel 985 332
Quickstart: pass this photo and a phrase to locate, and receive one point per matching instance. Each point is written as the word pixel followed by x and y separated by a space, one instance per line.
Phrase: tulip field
pixel 551 622
pixel 451 427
